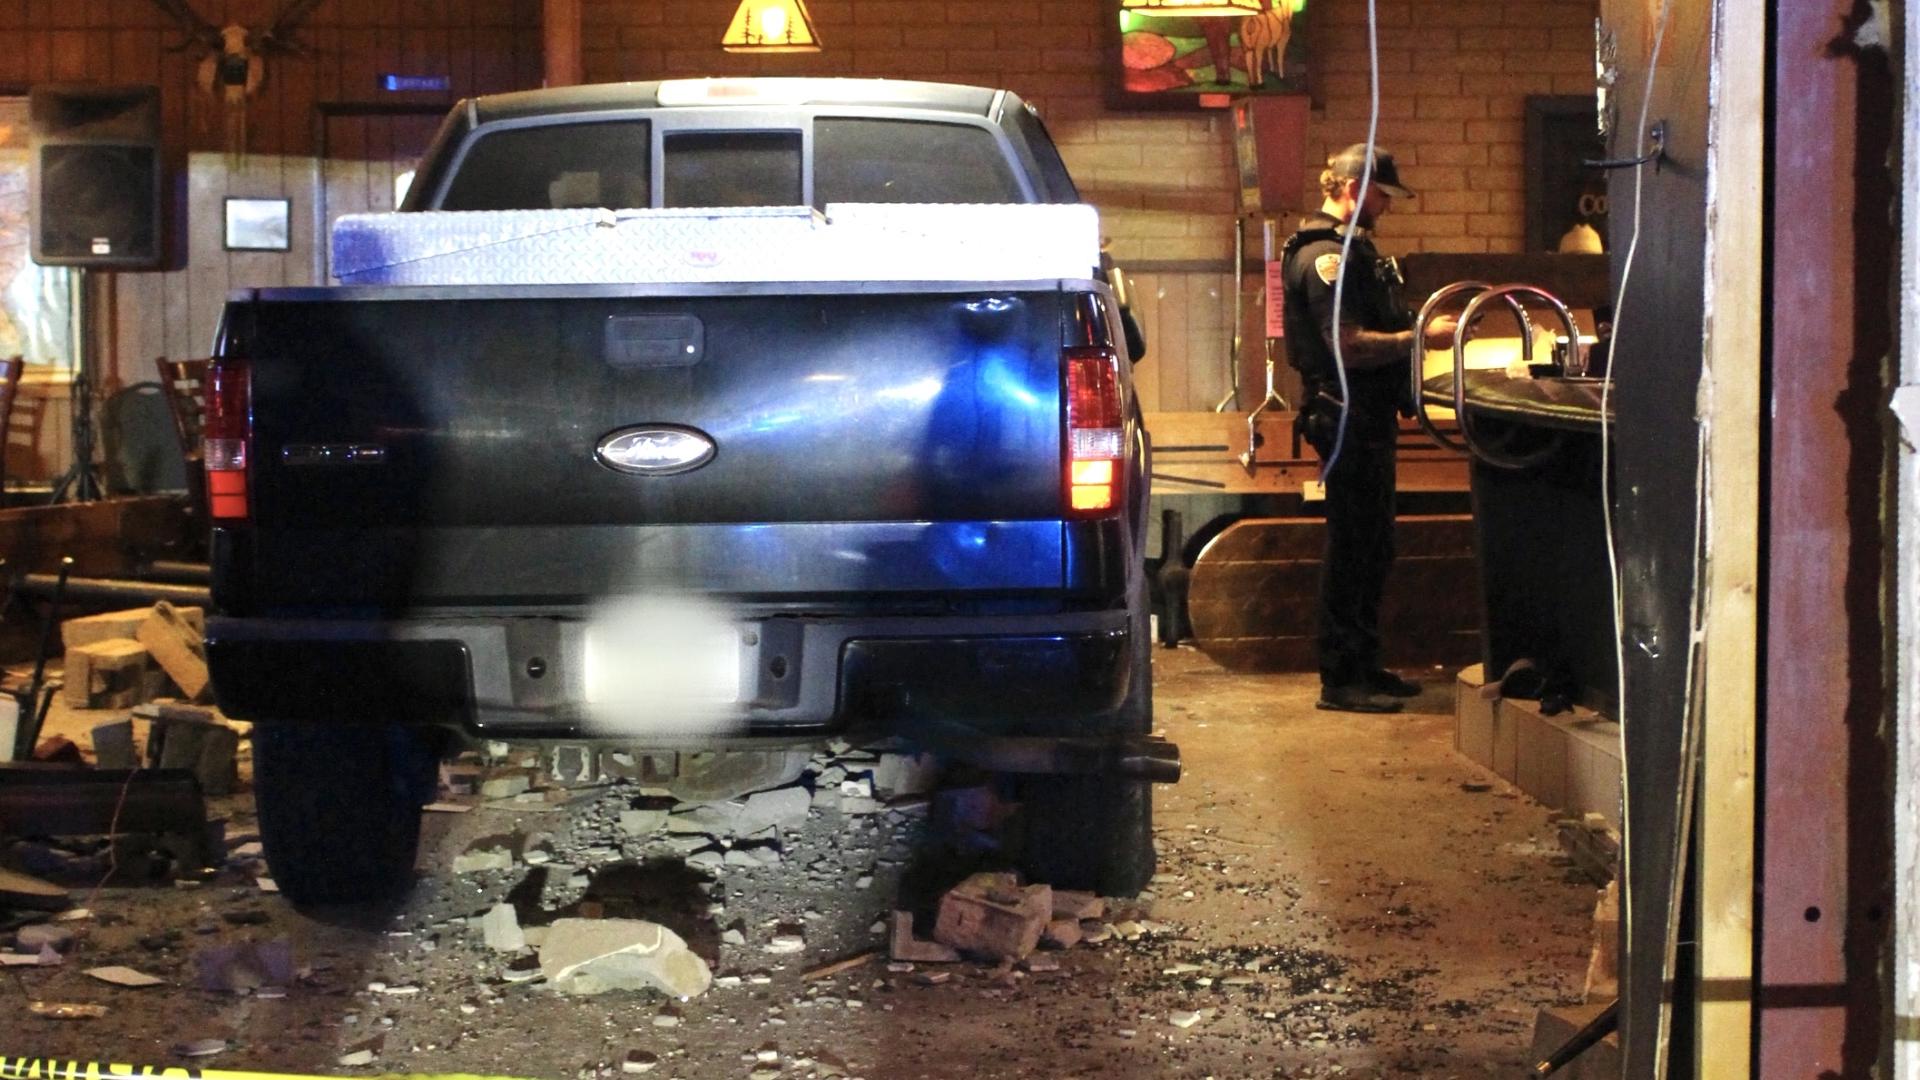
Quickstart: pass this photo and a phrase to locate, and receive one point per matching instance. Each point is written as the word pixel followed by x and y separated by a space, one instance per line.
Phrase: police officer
pixel 1376 341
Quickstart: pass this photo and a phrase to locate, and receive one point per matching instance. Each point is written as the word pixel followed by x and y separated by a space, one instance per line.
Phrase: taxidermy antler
pixel 234 65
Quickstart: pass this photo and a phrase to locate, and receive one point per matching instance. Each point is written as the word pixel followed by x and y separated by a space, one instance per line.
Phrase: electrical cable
pixel 1346 240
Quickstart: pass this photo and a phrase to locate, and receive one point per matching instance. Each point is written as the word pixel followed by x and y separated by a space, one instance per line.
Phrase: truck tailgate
pixel 906 439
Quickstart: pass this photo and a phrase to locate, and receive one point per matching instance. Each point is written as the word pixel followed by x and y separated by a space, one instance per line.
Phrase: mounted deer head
pixel 234 65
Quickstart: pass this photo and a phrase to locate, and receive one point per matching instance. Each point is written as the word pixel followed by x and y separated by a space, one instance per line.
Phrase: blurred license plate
pixel 628 665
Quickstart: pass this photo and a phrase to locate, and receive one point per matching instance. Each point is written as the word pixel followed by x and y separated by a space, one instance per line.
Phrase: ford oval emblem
pixel 654 450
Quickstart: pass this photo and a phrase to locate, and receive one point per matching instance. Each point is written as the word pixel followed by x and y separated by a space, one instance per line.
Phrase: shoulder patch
pixel 1327 266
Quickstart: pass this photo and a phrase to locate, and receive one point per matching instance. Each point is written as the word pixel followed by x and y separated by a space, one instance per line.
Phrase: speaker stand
pixel 81 482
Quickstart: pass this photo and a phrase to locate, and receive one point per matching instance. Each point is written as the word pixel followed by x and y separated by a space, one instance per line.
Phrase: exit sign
pixel 415 83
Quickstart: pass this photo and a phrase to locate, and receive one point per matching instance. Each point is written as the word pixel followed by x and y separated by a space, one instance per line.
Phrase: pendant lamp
pixel 1180 9
pixel 771 26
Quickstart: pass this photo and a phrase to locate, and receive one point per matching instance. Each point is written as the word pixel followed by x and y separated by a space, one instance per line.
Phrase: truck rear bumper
pixel 525 677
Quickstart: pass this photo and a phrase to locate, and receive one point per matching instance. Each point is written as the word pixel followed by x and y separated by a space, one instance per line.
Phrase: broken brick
pixel 177 647
pixel 990 915
pixel 903 946
pixel 105 674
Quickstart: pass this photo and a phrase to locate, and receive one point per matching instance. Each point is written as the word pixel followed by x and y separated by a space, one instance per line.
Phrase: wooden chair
pixel 10 369
pixel 185 383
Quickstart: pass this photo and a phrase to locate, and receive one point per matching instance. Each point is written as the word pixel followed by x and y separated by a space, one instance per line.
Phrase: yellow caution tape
pixel 31 1068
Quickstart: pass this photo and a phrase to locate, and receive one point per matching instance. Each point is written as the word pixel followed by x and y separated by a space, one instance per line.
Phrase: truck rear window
pixel 908 161
pixel 733 168
pixel 556 167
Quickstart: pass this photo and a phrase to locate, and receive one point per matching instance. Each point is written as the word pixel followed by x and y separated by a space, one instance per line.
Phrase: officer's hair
pixel 1331 185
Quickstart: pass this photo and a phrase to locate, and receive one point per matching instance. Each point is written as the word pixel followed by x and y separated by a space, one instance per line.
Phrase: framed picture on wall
pixel 258 224
pixel 1164 58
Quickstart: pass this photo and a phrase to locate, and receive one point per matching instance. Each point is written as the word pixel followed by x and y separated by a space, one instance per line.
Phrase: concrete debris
pixel 1183 1019
pixel 537 850
pixel 639 1061
pixel 642 822
pixel 1094 932
pixel 177 647
pixel 244 967
pixel 932 978
pixel 1062 934
pixel 362 1053
pixel 21 890
pixel 1068 904
pixel 87 629
pixel 489 854
pixel 113 745
pixel 42 936
pixel 992 916
pixel 856 806
pixel 1128 930
pixel 903 946
pixel 591 956
pixel 906 774
pixel 786 944
pixel 500 928
pixel 785 808
pixel 46 957
pixel 1040 962
pixel 706 860
pixel 199 741
pixel 733 937
pixel 506 784
pixel 106 674
pixel 666 1019
pixel 124 976
pixel 712 819
pixel 861 788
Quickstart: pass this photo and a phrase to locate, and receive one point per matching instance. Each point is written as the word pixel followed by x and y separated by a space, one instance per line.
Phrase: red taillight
pixel 1096 438
pixel 226 436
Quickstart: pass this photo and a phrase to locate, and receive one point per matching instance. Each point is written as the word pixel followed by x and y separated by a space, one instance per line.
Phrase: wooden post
pixel 560 30
pixel 1731 407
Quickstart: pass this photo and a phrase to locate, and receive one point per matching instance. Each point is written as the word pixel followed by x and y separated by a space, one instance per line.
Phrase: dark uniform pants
pixel 1359 553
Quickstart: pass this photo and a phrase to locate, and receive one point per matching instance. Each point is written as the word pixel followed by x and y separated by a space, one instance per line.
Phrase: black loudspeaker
pixel 94 185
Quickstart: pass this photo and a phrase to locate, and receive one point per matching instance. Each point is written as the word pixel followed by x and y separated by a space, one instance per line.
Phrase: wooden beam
pixel 560 32
pixel 1731 383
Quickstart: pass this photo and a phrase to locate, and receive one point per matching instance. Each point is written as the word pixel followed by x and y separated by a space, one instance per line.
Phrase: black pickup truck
pixel 806 509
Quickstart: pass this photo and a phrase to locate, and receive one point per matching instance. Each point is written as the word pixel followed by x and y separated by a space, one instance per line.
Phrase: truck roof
pixel 893 93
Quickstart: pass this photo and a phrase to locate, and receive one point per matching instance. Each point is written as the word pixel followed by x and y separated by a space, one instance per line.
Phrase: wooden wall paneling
pixel 344 172
pixel 492 59
pixel 135 56
pixel 206 274
pixel 461 42
pixel 1209 340
pixel 1146 312
pixel 67 56
pixel 1171 344
pixel 357 64
pixel 257 176
pixel 99 54
pixel 296 82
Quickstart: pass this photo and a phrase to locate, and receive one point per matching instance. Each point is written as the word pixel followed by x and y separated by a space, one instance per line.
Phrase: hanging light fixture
pixel 1180 9
pixel 772 26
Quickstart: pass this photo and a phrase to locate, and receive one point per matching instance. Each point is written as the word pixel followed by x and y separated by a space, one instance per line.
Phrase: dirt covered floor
pixel 1339 895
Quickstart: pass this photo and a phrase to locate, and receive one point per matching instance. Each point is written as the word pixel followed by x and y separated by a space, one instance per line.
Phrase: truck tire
pixel 1095 833
pixel 340 808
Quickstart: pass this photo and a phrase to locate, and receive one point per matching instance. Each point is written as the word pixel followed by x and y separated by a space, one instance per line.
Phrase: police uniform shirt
pixel 1369 301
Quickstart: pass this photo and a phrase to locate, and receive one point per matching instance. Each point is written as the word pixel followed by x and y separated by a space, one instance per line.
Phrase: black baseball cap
pixel 1349 163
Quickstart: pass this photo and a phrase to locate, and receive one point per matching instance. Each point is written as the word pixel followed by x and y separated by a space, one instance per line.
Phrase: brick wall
pixel 1454 78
